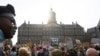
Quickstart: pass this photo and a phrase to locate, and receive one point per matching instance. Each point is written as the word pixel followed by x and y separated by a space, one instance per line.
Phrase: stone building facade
pixel 93 32
pixel 39 33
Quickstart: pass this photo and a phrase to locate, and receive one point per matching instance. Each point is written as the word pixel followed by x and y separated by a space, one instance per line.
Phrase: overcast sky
pixel 85 12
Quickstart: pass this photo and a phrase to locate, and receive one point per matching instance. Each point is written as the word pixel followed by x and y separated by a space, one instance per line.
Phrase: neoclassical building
pixel 44 33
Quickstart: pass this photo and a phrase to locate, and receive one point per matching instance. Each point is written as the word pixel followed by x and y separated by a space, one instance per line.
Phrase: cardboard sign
pixel 69 44
pixel 95 40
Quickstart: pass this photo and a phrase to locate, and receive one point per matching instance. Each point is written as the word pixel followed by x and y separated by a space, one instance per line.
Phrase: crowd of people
pixel 47 50
pixel 8 28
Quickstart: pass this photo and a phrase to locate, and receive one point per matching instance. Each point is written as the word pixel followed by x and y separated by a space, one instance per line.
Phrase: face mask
pixel 1 36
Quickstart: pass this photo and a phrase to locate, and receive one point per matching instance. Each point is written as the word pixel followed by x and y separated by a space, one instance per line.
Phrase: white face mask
pixel 1 36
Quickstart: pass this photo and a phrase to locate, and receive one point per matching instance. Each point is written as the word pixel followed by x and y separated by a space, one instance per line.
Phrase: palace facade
pixel 43 33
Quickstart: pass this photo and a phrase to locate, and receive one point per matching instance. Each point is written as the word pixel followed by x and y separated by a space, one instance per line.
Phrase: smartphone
pixel 1 36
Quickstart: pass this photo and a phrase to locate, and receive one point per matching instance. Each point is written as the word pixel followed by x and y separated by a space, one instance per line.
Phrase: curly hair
pixel 24 51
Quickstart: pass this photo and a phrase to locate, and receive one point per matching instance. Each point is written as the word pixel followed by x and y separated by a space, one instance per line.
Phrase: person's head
pixel 24 51
pixel 91 52
pixel 56 52
pixel 13 49
pixel 7 21
pixel 7 47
